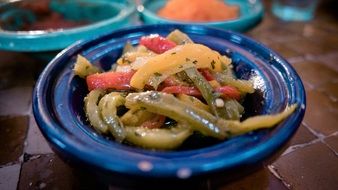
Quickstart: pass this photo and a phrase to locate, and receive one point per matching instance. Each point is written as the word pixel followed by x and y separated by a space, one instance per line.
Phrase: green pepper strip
pixel 233 109
pixel 92 111
pixel 200 120
pixel 206 90
pixel 256 122
pixel 108 108
pixel 179 37
pixel 226 78
pixel 163 139
pixel 168 105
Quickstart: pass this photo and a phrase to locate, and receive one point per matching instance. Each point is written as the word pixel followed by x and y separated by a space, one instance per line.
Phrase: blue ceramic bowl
pixel 103 16
pixel 251 13
pixel 58 108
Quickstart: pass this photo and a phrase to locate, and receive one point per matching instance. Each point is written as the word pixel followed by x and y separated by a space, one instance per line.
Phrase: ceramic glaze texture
pixel 62 120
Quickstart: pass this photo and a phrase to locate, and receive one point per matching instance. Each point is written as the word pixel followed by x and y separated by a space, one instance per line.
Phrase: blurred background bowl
pixel 251 13
pixel 58 110
pixel 51 25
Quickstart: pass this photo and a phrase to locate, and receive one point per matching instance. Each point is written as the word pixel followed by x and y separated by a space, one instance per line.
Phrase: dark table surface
pixel 309 162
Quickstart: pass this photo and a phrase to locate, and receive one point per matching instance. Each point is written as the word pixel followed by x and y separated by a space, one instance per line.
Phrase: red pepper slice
pixel 110 80
pixel 155 122
pixel 206 74
pixel 169 81
pixel 156 43
pixel 229 92
pixel 192 91
pixel 225 91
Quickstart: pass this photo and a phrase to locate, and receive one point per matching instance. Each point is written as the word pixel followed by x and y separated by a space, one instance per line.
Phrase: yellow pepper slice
pixel 199 55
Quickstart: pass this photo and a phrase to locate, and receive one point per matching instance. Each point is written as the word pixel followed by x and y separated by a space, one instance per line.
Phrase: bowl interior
pixel 259 102
pixel 58 106
pixel 255 103
pixel 54 14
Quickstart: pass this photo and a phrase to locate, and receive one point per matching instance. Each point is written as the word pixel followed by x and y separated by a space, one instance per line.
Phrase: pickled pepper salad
pixel 165 89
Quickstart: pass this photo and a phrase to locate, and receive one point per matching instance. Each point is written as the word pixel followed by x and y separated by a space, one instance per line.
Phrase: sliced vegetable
pixel 214 84
pixel 233 110
pixel 206 90
pixel 155 122
pixel 256 122
pixel 226 78
pixel 179 37
pixel 110 80
pixel 123 68
pixel 128 47
pixel 167 105
pixel 157 44
pixel 194 86
pixel 92 111
pixel 131 57
pixel 189 90
pixel 156 79
pixel 206 74
pixel 163 139
pixel 136 116
pixel 83 67
pixel 229 92
pixel 173 81
pixel 201 120
pixel 108 109
pixel 193 102
pixel 198 55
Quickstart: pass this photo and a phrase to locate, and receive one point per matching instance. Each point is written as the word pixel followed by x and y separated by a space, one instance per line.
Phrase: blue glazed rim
pixel 252 13
pixel 73 139
pixel 45 40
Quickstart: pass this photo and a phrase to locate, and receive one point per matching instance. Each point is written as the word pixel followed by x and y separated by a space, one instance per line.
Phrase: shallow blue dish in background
pixel 103 15
pixel 251 13
pixel 58 108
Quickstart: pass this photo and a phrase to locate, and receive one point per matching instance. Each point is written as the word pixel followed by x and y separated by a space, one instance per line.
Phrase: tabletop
pixel 309 160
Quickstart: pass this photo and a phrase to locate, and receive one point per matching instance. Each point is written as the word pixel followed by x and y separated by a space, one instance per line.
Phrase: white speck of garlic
pixel 219 103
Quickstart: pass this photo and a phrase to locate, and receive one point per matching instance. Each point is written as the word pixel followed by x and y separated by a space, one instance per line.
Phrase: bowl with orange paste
pixel 236 15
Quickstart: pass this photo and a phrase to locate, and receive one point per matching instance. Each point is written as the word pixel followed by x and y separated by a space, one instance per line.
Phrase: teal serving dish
pixel 251 13
pixel 58 110
pixel 101 16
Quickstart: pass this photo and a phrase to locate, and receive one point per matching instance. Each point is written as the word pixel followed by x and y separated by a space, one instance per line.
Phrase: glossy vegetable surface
pixel 157 44
pixel 110 80
pixel 166 89
pixel 58 109
pixel 193 54
pixel 108 108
